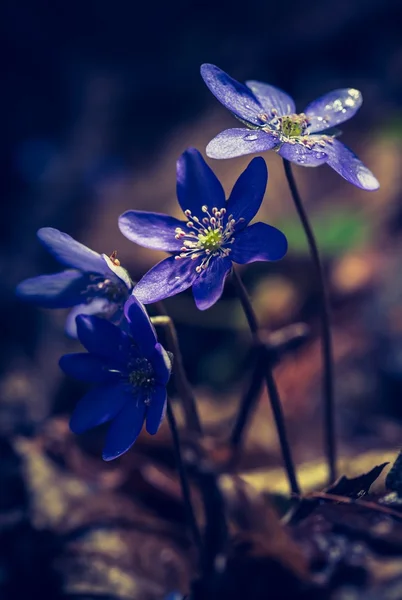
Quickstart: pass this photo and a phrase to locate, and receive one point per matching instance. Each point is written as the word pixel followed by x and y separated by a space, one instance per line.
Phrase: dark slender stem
pixel 180 378
pixel 185 487
pixel 270 383
pixel 326 340
pixel 277 344
pixel 249 400
pixel 216 533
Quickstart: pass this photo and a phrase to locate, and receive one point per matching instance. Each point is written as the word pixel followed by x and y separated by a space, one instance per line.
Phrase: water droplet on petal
pixel 251 137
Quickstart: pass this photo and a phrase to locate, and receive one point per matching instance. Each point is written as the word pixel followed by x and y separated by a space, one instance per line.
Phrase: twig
pixel 364 503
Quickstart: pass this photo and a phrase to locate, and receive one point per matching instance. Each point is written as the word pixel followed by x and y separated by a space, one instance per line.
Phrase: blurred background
pixel 99 100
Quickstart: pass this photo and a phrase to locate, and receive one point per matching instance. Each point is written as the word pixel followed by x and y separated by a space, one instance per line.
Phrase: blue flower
pixel 95 283
pixel 131 373
pixel 215 234
pixel 270 114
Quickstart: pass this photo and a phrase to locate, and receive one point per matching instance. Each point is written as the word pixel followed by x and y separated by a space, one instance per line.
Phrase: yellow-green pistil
pixel 292 129
pixel 206 237
pixel 211 241
pixel 293 125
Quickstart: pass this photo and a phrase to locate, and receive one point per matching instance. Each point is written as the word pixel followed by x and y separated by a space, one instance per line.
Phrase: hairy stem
pixel 326 339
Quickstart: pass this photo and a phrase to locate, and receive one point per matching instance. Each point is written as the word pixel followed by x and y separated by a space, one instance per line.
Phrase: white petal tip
pixel 368 181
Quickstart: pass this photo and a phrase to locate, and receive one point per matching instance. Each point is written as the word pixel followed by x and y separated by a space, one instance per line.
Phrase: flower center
pixel 207 237
pixel 211 241
pixel 141 374
pixel 293 125
pixel 105 288
pixel 293 129
pixel 287 127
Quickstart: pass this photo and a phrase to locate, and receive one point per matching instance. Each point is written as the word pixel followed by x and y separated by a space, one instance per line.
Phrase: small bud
pixel 114 259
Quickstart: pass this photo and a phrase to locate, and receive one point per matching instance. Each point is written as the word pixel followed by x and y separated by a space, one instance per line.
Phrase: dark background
pixel 98 101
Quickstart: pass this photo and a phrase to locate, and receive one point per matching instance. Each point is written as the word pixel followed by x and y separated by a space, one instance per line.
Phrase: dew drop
pixel 251 137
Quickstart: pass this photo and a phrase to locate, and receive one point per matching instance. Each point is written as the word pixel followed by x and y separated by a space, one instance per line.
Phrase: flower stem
pixel 185 486
pixel 216 534
pixel 180 378
pixel 326 340
pixel 248 401
pixel 277 344
pixel 270 383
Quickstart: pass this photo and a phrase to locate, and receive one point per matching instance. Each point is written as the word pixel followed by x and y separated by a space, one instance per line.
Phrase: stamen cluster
pixel 208 236
pixel 142 376
pixel 293 129
pixel 106 288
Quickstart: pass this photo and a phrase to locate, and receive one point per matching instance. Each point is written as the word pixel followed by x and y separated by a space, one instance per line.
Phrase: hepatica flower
pixel 214 235
pixel 271 116
pixel 94 283
pixel 130 373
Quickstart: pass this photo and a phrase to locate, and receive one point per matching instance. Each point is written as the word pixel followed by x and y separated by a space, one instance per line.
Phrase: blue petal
pixel 87 367
pixel 197 184
pixel 168 278
pixel 118 271
pixel 238 142
pixel 98 406
pixel 103 339
pixel 208 287
pixel 156 410
pixel 301 155
pixel 248 192
pixel 237 98
pixel 151 230
pixel 70 252
pixel 258 242
pixel 271 97
pixel 333 108
pixel 141 328
pixel 98 306
pixel 346 163
pixel 59 290
pixel 161 364
pixel 125 428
